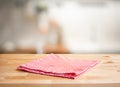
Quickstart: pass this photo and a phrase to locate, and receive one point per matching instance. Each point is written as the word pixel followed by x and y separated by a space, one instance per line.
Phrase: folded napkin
pixel 57 65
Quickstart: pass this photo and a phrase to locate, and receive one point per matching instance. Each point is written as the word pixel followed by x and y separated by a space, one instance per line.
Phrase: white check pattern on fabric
pixel 57 65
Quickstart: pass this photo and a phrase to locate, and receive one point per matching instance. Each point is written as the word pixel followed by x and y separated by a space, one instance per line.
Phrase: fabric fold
pixel 57 65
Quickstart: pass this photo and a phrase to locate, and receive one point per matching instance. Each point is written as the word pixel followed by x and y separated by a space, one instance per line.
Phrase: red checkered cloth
pixel 57 65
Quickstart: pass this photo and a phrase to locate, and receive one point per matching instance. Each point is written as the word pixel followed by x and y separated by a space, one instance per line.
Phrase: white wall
pixel 89 28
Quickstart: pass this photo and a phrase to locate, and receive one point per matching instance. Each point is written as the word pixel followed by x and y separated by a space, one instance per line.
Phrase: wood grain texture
pixel 105 74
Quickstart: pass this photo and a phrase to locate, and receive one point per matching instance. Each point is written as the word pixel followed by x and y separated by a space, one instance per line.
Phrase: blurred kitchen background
pixel 59 26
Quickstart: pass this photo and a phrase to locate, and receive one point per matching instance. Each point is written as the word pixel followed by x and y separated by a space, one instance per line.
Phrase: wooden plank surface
pixel 105 74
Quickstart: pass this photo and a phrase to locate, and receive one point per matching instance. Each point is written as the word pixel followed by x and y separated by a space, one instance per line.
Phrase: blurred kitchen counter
pixel 105 74
pixel 60 48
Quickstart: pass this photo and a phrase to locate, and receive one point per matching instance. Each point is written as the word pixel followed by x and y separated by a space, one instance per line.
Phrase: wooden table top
pixel 107 73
